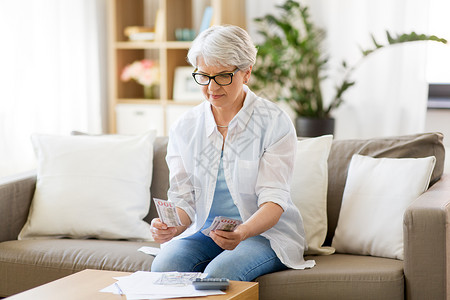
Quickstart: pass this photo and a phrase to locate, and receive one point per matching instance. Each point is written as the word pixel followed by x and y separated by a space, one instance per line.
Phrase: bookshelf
pixel 129 112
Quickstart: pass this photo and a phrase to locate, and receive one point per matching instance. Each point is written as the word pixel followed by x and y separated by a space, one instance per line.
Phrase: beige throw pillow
pixel 91 186
pixel 376 195
pixel 309 190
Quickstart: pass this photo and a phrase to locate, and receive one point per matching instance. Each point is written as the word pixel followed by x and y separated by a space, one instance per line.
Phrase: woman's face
pixel 228 96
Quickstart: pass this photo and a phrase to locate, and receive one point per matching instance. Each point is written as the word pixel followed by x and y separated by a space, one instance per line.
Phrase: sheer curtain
pixel 52 76
pixel 391 88
pixel 390 94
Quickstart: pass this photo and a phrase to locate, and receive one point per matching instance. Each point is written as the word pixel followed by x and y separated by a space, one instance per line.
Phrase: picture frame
pixel 184 86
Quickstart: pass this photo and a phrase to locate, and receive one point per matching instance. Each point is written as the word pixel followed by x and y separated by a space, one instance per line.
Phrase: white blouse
pixel 258 161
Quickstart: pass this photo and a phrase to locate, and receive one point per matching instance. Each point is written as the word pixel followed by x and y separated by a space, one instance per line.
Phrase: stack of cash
pixel 222 223
pixel 167 212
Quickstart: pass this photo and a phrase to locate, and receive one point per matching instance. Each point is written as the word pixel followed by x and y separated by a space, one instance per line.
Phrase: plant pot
pixel 312 127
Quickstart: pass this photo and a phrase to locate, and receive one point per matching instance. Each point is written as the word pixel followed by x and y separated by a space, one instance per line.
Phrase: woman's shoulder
pixel 190 116
pixel 189 121
pixel 266 106
pixel 272 121
pixel 270 110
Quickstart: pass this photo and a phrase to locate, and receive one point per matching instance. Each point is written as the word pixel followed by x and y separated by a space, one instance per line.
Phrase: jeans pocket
pixel 248 173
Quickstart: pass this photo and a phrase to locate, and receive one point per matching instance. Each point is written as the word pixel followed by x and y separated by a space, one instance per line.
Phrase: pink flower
pixel 147 64
pixel 145 72
pixel 126 74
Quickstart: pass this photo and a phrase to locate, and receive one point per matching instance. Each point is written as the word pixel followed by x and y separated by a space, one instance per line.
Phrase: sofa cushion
pixel 29 263
pixel 376 195
pixel 309 190
pixel 91 186
pixel 407 146
pixel 337 276
pixel 160 174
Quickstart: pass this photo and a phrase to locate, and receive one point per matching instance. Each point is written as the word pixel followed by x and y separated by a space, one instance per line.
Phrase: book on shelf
pixel 159 25
pixel 142 36
pixel 207 19
pixel 140 33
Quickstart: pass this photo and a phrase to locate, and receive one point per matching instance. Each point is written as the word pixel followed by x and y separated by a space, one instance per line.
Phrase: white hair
pixel 225 45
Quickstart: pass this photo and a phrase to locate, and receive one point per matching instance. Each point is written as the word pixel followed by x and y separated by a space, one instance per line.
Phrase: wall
pixel 439 120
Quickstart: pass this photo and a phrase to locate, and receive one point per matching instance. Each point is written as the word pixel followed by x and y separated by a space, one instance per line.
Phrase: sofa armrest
pixel 16 193
pixel 426 234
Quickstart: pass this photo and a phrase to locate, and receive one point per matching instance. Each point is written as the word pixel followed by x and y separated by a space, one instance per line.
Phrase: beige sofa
pixel 422 275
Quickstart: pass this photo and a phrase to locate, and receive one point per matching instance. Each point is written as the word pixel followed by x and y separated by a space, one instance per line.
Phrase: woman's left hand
pixel 263 219
pixel 229 240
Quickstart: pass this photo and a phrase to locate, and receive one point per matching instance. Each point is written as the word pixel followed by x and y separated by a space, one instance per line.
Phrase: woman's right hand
pixel 160 232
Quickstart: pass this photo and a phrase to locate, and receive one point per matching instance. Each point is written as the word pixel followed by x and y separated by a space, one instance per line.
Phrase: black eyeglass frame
pixel 214 77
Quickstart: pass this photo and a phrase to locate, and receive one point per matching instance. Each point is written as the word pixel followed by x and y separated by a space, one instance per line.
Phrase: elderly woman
pixel 231 156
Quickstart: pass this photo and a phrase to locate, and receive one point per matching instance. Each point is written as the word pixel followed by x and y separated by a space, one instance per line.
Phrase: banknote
pixel 167 212
pixel 178 278
pixel 222 223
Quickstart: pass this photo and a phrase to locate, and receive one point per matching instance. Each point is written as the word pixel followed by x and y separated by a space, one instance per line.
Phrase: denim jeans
pixel 198 253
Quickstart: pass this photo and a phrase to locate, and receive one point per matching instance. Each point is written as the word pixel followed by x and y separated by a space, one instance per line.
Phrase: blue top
pixel 223 204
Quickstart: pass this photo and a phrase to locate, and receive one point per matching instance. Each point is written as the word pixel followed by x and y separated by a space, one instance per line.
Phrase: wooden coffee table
pixel 87 284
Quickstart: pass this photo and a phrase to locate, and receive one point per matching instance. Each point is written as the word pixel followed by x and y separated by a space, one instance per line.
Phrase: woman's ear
pixel 247 74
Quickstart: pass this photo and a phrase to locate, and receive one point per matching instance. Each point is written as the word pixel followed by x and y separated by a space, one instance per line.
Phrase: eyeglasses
pixel 221 79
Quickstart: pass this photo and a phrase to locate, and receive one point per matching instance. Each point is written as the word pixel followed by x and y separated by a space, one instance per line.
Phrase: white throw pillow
pixel 376 195
pixel 309 190
pixel 91 186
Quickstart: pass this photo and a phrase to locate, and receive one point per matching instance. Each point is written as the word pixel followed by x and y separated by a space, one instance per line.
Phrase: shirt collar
pixel 210 123
pixel 240 119
pixel 243 116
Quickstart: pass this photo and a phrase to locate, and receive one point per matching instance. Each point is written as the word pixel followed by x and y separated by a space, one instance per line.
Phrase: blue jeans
pixel 198 253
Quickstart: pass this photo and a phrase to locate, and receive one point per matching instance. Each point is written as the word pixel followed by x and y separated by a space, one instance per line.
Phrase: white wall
pixel 439 120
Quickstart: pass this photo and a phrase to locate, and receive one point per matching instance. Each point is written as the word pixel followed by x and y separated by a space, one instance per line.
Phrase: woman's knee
pixel 251 259
pixel 224 271
pixel 161 263
pixel 171 258
pixel 185 255
pixel 179 263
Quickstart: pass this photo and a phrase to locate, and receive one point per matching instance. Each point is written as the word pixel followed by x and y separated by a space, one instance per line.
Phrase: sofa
pixel 423 274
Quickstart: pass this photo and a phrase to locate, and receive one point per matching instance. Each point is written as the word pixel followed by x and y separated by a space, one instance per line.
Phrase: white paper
pixel 140 285
pixel 195 293
pixel 113 288
pixel 150 250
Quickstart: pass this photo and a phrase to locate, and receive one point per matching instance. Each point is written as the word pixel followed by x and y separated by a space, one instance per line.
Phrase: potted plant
pixel 291 66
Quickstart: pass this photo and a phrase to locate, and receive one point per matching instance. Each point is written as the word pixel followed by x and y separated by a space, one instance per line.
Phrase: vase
pixel 313 127
pixel 150 91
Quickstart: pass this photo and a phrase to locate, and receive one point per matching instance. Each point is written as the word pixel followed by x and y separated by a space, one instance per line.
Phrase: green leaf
pixel 375 42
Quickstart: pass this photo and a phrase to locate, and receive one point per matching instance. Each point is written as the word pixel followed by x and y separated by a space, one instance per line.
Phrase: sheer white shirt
pixel 258 160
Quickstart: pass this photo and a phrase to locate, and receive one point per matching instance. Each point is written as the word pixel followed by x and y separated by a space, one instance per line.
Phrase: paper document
pixel 156 285
pixel 150 250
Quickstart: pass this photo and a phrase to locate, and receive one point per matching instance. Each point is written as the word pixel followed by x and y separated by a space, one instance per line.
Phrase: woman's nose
pixel 213 86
